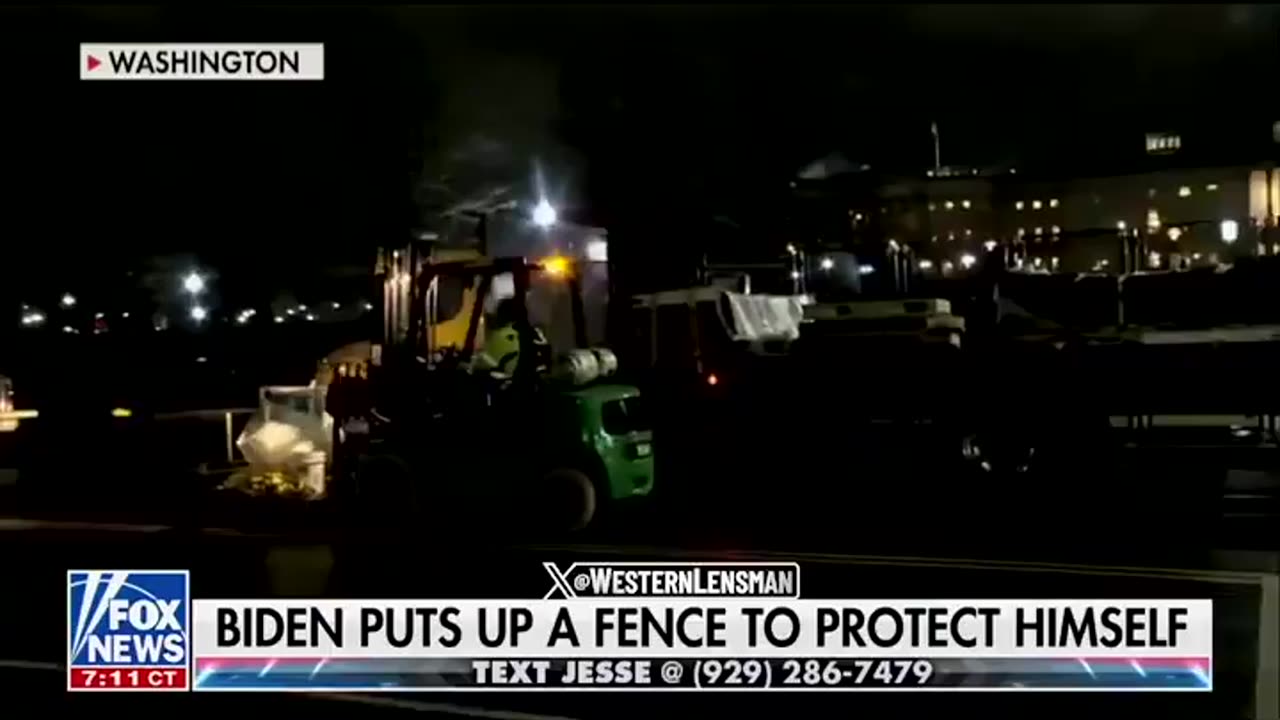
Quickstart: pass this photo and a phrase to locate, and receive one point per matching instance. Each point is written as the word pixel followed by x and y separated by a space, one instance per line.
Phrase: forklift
pixel 466 414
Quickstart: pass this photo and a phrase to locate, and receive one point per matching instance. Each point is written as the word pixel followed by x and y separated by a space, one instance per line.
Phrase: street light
pixel 198 313
pixel 828 263
pixel 967 260
pixel 1230 231
pixel 544 215
pixel 193 284
pixel 68 300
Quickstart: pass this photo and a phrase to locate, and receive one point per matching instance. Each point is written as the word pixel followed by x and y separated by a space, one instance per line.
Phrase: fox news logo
pixel 127 630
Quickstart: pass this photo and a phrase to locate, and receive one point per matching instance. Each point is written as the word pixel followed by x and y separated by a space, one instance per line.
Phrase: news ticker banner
pixel 627 627
pixel 201 61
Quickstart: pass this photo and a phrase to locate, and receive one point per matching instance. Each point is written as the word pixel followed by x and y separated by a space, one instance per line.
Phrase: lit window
pixel 1211 187
pixel 1153 219
pixel 1184 191
pixel 929 173
pixel 1162 142
pixel 989 245
pixel 950 205
pixel 1053 262
pixel 1053 203
pixel 926 264
pixel 1151 192
pixel 1154 259
pixel 932 207
pixel 1175 233
pixel 933 239
pixel 1022 231
pixel 1019 205
pixel 1120 225
pixel 1037 262
pixel 1035 204
pixel 1039 231
pixel 965 204
pixel 1055 229
pixel 951 236
pixel 968 232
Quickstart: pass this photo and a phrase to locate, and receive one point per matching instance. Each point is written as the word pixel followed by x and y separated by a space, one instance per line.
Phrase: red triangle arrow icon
pixel 93 62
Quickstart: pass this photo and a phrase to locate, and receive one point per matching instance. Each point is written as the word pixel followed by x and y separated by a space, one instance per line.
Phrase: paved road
pixel 229 565
pixel 855 524
pixel 884 493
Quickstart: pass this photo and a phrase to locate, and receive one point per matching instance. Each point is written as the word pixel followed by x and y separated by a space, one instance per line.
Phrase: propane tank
pixel 607 361
pixel 577 367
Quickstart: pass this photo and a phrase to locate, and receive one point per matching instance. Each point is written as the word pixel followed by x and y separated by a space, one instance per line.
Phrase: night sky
pixel 631 112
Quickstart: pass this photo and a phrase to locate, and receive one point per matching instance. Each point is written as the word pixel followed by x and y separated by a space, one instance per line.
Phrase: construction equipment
pixel 466 409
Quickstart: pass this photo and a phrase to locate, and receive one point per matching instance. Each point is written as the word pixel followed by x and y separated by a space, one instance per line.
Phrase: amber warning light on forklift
pixel 556 266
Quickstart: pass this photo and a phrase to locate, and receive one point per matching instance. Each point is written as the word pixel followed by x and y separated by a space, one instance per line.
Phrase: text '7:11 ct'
pixel 129 678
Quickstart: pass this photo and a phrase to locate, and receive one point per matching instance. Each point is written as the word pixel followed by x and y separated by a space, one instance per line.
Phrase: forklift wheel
pixel 571 499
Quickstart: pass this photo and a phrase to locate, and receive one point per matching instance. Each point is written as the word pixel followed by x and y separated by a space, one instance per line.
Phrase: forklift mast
pixel 412 281
pixel 412 312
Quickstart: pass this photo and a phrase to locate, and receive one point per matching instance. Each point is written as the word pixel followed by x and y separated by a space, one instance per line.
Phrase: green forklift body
pixel 615 428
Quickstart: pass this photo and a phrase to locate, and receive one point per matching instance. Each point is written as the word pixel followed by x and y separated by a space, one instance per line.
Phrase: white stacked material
pixel 893 322
pixel 899 324
pixel 876 309
pixel 765 317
